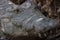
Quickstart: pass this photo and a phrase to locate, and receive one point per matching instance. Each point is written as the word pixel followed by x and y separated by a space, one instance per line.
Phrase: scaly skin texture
pixel 29 20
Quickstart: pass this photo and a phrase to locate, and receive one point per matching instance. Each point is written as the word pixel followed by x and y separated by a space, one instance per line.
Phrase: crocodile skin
pixel 28 18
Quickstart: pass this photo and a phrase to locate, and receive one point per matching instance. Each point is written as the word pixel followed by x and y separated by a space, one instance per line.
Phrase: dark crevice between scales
pixel 18 2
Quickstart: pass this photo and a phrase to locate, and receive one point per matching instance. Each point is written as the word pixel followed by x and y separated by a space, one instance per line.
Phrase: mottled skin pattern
pixel 28 19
